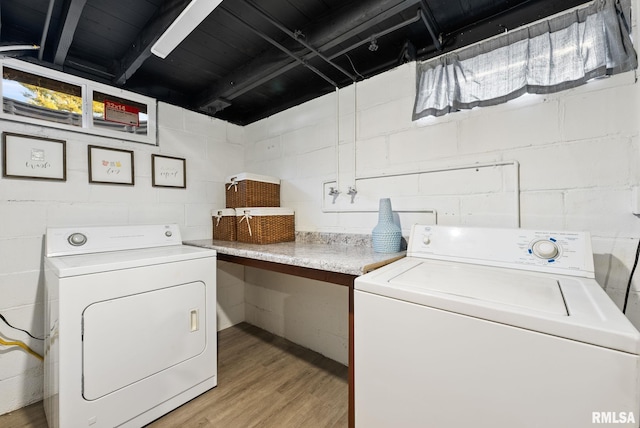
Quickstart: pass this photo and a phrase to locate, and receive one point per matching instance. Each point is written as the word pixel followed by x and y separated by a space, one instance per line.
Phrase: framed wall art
pixel 168 171
pixel 110 166
pixel 26 156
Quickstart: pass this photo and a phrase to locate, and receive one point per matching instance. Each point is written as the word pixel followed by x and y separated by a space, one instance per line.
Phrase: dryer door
pixel 130 338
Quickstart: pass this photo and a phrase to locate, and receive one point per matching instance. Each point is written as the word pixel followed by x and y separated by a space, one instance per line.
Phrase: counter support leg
pixel 352 410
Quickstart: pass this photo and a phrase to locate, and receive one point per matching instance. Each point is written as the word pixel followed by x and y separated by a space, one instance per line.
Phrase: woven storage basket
pixel 265 225
pixel 224 224
pixel 252 190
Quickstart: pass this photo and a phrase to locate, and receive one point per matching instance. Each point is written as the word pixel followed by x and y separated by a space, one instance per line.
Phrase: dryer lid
pixel 65 241
pixel 85 264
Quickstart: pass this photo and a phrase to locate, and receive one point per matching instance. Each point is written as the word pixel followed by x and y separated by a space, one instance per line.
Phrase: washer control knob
pixel 77 239
pixel 426 239
pixel 545 249
pixel 168 234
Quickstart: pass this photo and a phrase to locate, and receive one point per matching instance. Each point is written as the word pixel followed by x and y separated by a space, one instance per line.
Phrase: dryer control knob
pixel 545 249
pixel 426 239
pixel 168 234
pixel 77 239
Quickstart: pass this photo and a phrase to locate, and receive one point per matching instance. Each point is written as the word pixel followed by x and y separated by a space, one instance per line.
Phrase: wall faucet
pixel 334 192
pixel 352 192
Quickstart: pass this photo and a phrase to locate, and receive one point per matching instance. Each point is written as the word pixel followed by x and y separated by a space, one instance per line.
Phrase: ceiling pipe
pixel 297 38
pixel 45 30
pixel 282 48
pixel 359 17
pixel 378 35
pixel 357 29
pixel 432 27
pixel 514 16
pixel 268 76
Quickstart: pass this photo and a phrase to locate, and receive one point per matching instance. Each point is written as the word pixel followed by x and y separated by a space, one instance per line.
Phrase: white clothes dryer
pixel 492 328
pixel 131 322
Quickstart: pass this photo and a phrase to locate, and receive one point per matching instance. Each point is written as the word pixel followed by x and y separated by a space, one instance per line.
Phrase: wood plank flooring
pixel 263 381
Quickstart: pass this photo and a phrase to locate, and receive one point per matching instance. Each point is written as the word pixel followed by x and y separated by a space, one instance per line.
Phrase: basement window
pixel 121 114
pixel 37 95
pixel 563 52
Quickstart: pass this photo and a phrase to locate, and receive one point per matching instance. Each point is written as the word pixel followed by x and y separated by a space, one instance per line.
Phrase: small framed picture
pixel 111 166
pixel 167 171
pixel 26 156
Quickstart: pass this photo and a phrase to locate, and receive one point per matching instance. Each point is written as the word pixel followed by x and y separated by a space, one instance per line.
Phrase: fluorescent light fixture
pixel 185 23
pixel 9 48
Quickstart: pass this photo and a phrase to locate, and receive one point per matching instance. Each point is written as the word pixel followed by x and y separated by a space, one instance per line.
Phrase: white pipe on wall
pixel 355 131
pixel 337 139
pixel 513 163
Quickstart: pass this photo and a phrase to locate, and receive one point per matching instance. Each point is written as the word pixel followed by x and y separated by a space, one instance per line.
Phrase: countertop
pixel 332 252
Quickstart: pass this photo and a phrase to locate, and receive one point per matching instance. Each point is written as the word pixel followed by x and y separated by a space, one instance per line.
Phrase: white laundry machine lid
pixel 565 306
pixel 64 241
pixel 530 292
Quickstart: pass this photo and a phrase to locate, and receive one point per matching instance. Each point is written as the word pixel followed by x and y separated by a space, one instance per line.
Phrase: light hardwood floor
pixel 263 381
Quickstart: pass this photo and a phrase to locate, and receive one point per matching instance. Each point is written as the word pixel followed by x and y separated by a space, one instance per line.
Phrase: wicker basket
pixel 265 225
pixel 224 224
pixel 252 190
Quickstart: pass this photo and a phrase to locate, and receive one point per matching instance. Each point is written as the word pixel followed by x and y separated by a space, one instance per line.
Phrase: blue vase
pixel 386 236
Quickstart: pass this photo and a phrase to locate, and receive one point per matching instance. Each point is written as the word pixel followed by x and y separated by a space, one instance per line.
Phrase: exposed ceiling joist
pixel 45 30
pixel 141 48
pixel 282 48
pixel 298 36
pixel 374 36
pixel 73 13
pixel 323 36
pixel 243 70
pixel 347 29
pixel 222 103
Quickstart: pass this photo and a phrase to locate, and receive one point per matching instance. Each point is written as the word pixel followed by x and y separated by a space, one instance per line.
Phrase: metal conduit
pixel 247 87
pixel 357 21
pixel 295 37
pixel 282 48
pixel 377 35
pixel 430 22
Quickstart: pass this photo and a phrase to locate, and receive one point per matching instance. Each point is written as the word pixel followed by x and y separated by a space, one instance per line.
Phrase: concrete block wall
pixel 311 313
pixel 577 153
pixel 231 292
pixel 212 148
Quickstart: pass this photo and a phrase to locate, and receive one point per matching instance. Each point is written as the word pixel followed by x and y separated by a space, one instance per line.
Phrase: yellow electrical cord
pixel 23 346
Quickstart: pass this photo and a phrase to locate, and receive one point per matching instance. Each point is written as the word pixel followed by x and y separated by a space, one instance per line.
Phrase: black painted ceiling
pixel 250 59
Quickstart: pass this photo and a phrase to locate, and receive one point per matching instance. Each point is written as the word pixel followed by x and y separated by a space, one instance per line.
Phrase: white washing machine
pixel 131 322
pixel 492 328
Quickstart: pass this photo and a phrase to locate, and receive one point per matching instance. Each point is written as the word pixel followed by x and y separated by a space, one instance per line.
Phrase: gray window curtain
pixel 560 53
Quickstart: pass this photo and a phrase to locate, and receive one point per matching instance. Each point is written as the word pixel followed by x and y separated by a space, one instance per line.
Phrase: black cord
pixel 16 328
pixel 635 264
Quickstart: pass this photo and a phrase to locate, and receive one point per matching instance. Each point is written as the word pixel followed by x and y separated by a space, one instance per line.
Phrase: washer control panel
pixel 64 241
pixel 546 249
pixel 563 252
